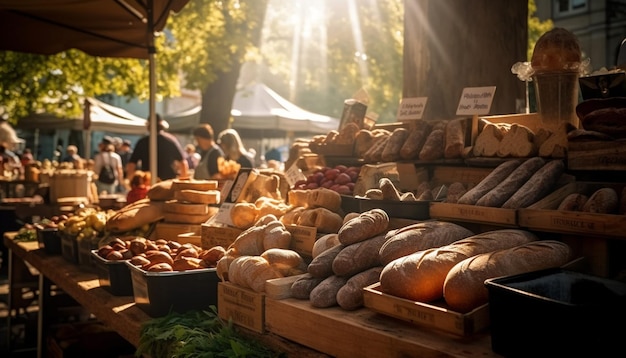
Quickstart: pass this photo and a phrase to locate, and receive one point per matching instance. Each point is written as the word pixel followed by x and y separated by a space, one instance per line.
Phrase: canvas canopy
pixel 259 109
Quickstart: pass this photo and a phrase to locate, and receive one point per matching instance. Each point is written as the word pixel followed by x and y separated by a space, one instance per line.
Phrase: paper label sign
pixel 411 108
pixel 294 174
pixel 475 101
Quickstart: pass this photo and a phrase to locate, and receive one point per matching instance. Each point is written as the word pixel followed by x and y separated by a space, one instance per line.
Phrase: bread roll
pixel 367 224
pixel 420 236
pixel 358 257
pixel 573 202
pixel 325 294
pixel 324 198
pixel 388 189
pixel 503 191
pixel 494 178
pixel 350 295
pixel 602 201
pixel 538 186
pixel 420 276
pixel 464 288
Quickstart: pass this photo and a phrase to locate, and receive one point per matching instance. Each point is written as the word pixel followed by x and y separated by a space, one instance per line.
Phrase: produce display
pixel 339 178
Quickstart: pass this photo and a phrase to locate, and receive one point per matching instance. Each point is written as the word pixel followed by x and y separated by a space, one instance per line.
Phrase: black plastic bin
pixel 113 275
pixel 557 313
pixel 50 240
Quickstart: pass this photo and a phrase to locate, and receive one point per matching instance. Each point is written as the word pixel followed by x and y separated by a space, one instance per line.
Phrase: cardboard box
pixel 243 306
pixel 433 315
pixel 473 214
pixel 212 235
pixel 543 216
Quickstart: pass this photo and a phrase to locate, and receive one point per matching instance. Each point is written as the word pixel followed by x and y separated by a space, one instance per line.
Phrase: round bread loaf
pixel 602 201
pixel 556 50
pixel 573 202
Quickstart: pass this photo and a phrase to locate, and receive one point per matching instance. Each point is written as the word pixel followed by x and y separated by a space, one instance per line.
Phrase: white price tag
pixel 293 175
pixel 475 101
pixel 411 108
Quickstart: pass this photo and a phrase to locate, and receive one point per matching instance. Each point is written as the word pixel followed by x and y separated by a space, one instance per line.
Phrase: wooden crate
pixel 473 214
pixel 364 333
pixel 596 155
pixel 543 215
pixel 218 235
pixel 466 175
pixel 435 316
pixel 243 306
pixel 302 238
pixel 170 231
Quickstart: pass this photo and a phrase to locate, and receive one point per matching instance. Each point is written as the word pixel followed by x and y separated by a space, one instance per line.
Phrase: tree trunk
pixel 217 99
pixel 453 44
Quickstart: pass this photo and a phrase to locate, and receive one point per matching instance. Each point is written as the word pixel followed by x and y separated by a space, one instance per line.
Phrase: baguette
pixel 420 276
pixel 454 141
pixel 434 146
pixel 322 265
pixel 391 152
pixel 503 191
pixel 367 224
pixel 350 295
pixel 464 288
pixel 489 182
pixel 573 202
pixel 358 257
pixel 420 236
pixel 539 184
pixel 302 287
pixel 325 294
pixel 415 141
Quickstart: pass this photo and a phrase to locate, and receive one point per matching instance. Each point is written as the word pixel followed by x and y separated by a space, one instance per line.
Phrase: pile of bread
pixel 605 200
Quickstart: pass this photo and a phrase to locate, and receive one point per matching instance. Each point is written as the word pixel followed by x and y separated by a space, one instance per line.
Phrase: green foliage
pixel 536 27
pixel 198 334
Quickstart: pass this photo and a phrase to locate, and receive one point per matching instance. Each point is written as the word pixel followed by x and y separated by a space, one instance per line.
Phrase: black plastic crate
pixel 50 240
pixel 113 275
pixel 69 248
pixel 556 313
pixel 159 293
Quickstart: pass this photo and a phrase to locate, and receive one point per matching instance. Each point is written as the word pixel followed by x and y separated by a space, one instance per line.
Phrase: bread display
pixel 505 189
pixel 364 226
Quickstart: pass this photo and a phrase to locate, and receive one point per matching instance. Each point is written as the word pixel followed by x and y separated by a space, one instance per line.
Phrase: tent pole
pixel 152 105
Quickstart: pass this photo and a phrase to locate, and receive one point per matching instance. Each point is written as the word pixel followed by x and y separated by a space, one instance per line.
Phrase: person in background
pixel 171 158
pixel 125 151
pixel 233 148
pixel 107 156
pixel 193 157
pixel 139 186
pixel 27 157
pixel 71 156
pixel 208 167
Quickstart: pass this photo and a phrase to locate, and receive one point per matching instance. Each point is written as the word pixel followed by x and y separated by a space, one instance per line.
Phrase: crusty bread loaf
pixel 322 265
pixel 324 243
pixel 488 140
pixel 434 146
pixel 420 236
pixel 161 191
pixel 391 152
pixel 243 215
pixel 301 288
pixel 359 256
pixel 367 224
pixel 454 141
pixel 350 295
pixel 388 189
pixel 518 142
pixel 197 196
pixel 415 141
pixel 285 261
pixel 362 142
pixel 454 192
pixel 375 153
pixel 464 288
pixel 323 219
pixel 603 201
pixel 135 215
pixel 325 294
pixel 251 272
pixel 420 276
pixel 556 50
pixel 324 198
pixel 503 191
pixel 538 186
pixel 573 202
pixel 609 121
pixel 494 178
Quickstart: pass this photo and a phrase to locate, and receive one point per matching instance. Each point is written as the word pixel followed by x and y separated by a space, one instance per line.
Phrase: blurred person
pixel 233 148
pixel 208 167
pixel 107 157
pixel 171 158
pixel 139 186
pixel 193 157
pixel 125 152
pixel 27 157
pixel 72 156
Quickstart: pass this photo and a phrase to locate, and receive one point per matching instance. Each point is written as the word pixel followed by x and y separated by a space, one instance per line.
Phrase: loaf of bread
pixel 325 294
pixel 175 206
pixel 434 146
pixel 518 142
pixel 135 215
pixel 363 141
pixel 243 215
pixel 420 276
pixel 323 219
pixel 464 288
pixel 573 202
pixel 322 265
pixel 556 144
pixel 194 184
pixel 454 192
pixel 488 140
pixel 161 191
pixel 556 50
pixel 375 153
pixel 454 142
pixel 415 141
pixel 359 256
pixel 391 152
pixel 285 261
pixel 420 236
pixel 197 196
pixel 388 189
pixel 503 191
pixel 301 288
pixel 494 178
pixel 350 295
pixel 251 272
pixel 367 224
pixel 602 201
pixel 538 186
pixel 324 243
pixel 609 121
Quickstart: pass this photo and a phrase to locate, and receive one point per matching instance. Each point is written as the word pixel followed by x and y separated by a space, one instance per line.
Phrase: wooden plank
pixel 473 213
pixel 364 333
pixel 466 175
pixel 597 155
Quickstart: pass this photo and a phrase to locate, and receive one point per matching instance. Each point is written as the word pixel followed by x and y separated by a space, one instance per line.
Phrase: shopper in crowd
pixel 139 186
pixel 233 148
pixel 125 151
pixel 27 157
pixel 72 156
pixel 208 167
pixel 193 157
pixel 171 158
pixel 104 160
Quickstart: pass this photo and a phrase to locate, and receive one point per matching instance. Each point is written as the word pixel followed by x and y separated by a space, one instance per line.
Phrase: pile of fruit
pixel 340 178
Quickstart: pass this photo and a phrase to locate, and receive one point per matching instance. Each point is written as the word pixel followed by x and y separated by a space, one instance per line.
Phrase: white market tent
pixel 258 108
